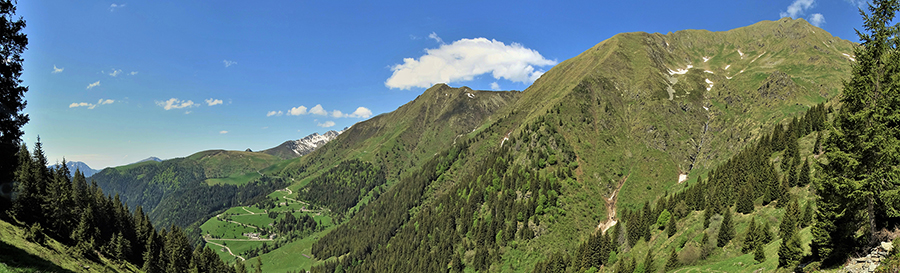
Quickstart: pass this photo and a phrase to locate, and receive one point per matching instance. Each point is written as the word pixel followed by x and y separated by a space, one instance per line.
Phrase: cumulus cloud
pixel 318 110
pixel 296 111
pixel 57 70
pixel 229 63
pixel 95 84
pixel 274 113
pixel 817 19
pixel 495 86
pixel 91 105
pixel 175 103
pixel 797 8
pixel 337 114
pixel 361 112
pixel 464 59
pixel 115 72
pixel 326 124
pixel 223 132
pixel 211 102
pixel 133 73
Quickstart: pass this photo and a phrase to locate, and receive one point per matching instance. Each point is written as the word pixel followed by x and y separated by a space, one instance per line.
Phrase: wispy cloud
pixel 95 84
pixel 318 110
pixel 435 37
pixel 466 58
pixel 211 102
pixel 175 103
pixel 133 73
pixel 57 70
pixel 326 124
pixel 296 111
pixel 274 113
pixel 229 63
pixel 115 6
pixel 91 105
pixel 223 132
pixel 115 72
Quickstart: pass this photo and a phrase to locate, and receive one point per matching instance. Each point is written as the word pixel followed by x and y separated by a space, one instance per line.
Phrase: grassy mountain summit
pixel 621 122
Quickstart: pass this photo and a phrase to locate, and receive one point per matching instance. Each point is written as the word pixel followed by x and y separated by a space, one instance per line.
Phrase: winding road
pixel 205 239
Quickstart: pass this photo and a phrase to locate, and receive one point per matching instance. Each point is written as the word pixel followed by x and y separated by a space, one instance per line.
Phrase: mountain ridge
pixel 303 146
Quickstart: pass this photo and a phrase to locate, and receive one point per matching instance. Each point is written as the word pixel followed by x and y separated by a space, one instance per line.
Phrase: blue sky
pixel 116 82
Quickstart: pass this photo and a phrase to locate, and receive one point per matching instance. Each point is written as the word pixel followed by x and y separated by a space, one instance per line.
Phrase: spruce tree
pixel 804 176
pixel 648 261
pixel 672 262
pixel 726 231
pixel 745 202
pixel 12 93
pixel 758 254
pixel 750 237
pixel 859 182
pixel 671 227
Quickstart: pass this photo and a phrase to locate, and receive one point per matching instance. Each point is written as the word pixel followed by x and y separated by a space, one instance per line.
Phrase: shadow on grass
pixel 20 259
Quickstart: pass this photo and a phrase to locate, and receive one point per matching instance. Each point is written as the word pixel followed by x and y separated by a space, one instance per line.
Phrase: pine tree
pixel 672 262
pixel 750 237
pixel 758 254
pixel 789 220
pixel 745 202
pixel 817 147
pixel 791 251
pixel 671 227
pixel 726 231
pixel 807 217
pixel 804 176
pixel 707 214
pixel 648 261
pixel 12 93
pixel 178 250
pixel 862 145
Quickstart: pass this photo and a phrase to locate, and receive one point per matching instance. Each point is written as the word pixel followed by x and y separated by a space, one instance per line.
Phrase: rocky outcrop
pixel 869 262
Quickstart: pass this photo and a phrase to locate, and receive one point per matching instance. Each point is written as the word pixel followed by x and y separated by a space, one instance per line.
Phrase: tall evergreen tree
pixel 726 231
pixel 672 262
pixel 862 147
pixel 13 43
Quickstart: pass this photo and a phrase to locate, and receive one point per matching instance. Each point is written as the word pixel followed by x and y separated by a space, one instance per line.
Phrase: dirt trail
pixel 247 210
pixel 611 207
pixel 205 239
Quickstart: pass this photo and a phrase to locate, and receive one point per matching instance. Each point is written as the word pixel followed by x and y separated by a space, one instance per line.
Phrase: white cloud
pixel 95 84
pixel 817 19
pixel 296 111
pixel 495 86
pixel 337 114
pixel 435 37
pixel 229 63
pixel 326 124
pixel 174 103
pixel 361 112
pixel 274 113
pixel 464 59
pixel 318 110
pixel 57 70
pixel 187 112
pixel 859 3
pixel 115 72
pixel 133 73
pixel 798 7
pixel 211 102
pixel 91 105
pixel 223 132
pixel 115 6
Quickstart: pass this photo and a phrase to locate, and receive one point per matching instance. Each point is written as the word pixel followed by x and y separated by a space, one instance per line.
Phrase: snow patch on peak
pixel 742 53
pixel 309 143
pixel 707 71
pixel 471 96
pixel 727 66
pixel 680 71
pixel 710 84
pixel 849 57
pixel 705 59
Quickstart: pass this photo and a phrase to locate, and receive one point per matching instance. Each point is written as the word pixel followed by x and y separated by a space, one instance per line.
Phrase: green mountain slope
pixel 183 191
pixel 413 133
pixel 597 135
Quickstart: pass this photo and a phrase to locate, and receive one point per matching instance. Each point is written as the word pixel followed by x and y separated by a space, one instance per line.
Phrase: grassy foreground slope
pixel 20 255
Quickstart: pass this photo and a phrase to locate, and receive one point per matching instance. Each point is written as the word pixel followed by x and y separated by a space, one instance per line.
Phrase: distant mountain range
pixel 78 165
pixel 152 158
pixel 297 148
